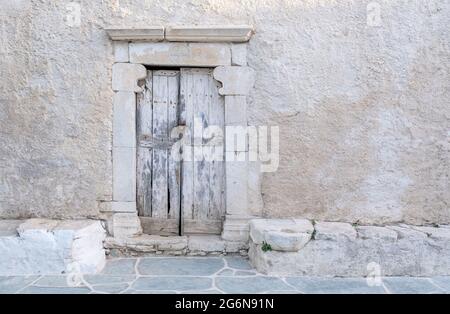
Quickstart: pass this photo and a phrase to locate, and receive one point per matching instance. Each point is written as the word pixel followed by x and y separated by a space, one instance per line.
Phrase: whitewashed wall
pixel 363 110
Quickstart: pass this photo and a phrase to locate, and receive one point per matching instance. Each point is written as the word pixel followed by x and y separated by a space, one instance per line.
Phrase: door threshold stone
pixel 192 245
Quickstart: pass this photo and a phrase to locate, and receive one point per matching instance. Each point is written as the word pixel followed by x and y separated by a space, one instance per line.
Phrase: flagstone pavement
pixel 206 275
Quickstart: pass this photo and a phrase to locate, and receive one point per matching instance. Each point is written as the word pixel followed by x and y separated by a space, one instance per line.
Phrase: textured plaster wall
pixel 363 111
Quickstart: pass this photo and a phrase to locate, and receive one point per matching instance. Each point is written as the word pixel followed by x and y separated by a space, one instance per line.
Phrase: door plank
pixel 201 166
pixel 217 164
pixel 203 186
pixel 186 117
pixel 159 226
pixel 196 226
pixel 144 155
pixel 174 167
pixel 160 186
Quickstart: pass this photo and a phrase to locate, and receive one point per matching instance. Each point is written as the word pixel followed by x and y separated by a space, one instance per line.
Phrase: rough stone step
pixel 340 249
pixel 45 246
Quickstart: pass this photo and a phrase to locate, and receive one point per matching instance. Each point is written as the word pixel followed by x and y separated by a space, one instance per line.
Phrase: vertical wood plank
pixel 186 117
pixel 203 195
pixel 217 167
pixel 174 166
pixel 201 166
pixel 160 186
pixel 144 155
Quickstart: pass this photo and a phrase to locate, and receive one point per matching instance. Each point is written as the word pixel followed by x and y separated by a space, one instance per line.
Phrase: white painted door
pixel 179 197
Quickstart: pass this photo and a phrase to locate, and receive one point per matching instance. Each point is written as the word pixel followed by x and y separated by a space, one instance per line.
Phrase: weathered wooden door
pixel 180 197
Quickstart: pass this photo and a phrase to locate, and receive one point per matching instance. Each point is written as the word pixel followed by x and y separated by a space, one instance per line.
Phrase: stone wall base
pixel 44 246
pixel 299 247
pixel 193 245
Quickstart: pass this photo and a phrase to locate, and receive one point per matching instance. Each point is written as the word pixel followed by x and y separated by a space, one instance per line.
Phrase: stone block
pixel 124 121
pixel 236 141
pixel 124 174
pixel 376 233
pixel 236 187
pixel 44 246
pixel 205 243
pixel 408 233
pixel 126 225
pixel 334 231
pixel 435 232
pixel 236 246
pixel 236 228
pixel 123 207
pixel 120 51
pixel 180 54
pixel 254 182
pixel 118 207
pixel 239 54
pixel 145 243
pixel 281 234
pixel 8 227
pixel 125 77
pixel 236 80
pixel 236 110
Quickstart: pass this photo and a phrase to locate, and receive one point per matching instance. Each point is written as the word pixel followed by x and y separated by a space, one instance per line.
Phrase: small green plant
pixel 266 247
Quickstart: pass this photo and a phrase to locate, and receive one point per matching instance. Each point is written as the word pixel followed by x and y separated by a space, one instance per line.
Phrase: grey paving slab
pixel 226 272
pixel 283 292
pixel 212 291
pixel 333 285
pixel 237 262
pixel 191 266
pixel 172 283
pixel 257 284
pixel 408 285
pixel 56 290
pixel 442 282
pixel 52 281
pixel 125 266
pixel 108 279
pixel 15 283
pixel 111 288
pixel 244 273
pixel 207 275
pixel 131 291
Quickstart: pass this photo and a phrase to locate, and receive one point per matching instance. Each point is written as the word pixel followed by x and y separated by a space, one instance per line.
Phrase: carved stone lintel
pixel 209 33
pixel 155 33
pixel 180 54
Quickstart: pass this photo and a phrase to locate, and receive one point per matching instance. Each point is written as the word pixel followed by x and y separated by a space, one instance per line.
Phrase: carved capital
pixel 126 75
pixel 236 80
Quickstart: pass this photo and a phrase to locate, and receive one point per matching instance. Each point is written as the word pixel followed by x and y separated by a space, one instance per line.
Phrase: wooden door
pixel 158 175
pixel 174 197
pixel 203 188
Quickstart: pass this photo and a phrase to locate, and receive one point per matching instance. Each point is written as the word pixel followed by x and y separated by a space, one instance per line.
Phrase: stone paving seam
pixel 28 285
pixel 136 266
pixel 386 289
pixel 225 262
pixel 446 290
pixel 87 284
pixel 214 285
pixel 288 284
pixel 437 286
